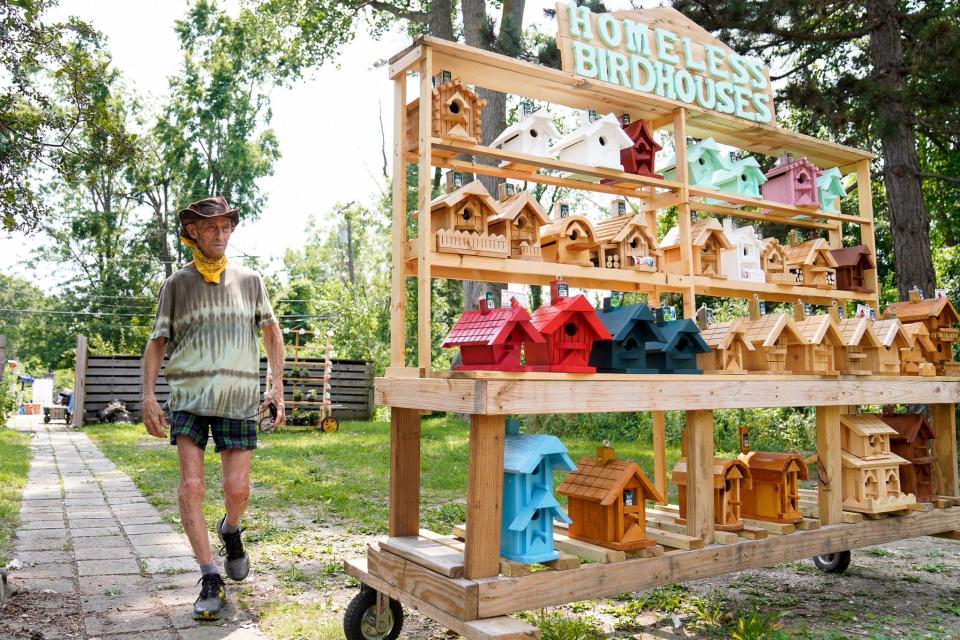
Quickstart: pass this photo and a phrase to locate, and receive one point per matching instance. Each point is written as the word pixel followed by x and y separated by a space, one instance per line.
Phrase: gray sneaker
pixel 213 598
pixel 237 563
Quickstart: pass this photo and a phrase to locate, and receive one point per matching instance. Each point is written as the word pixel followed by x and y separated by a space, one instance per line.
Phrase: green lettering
pixel 665 40
pixel 585 60
pixel 715 58
pixel 611 33
pixel 638 37
pixel 580 22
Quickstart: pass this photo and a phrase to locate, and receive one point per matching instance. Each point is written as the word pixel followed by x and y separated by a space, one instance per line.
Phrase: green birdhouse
pixel 830 185
pixel 703 160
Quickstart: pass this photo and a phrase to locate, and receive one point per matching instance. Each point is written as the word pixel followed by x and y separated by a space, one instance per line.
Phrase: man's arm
pixel 273 343
pixel 153 416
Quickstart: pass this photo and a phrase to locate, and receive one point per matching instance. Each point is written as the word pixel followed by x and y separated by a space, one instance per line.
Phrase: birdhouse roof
pixel 889 330
pixel 722 335
pixel 638 130
pixel 540 499
pixel 909 427
pixel 857 332
pixel 522 453
pixel 707 147
pixel 540 119
pixel 918 332
pixel 618 229
pixel 549 318
pixel 819 329
pixel 476 328
pixel 853 256
pixel 604 483
pixel 453 198
pixel 746 166
pixel 456 86
pixel 831 181
pixel 768 329
pixel 620 321
pixel 700 233
pixel 779 462
pixel 608 124
pixel 808 252
pixel 866 424
pixel 796 165
pixel 518 202
pixel 723 469
pixel 770 244
pixel 673 330
pixel 850 461
pixel 740 235
pixel 923 310
pixel 557 228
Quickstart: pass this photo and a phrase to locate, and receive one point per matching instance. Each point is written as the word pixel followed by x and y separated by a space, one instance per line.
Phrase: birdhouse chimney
pixel 889 409
pixel 798 312
pixel 559 289
pixel 744 439
pixel 793 237
pixel 606 304
pixel 512 426
pixel 605 454
pixel 702 317
pixel 728 224
pixel 482 305
pixel 561 210
pixel 753 305
pixel 916 295
pixel 834 312
pixel 505 190
pixel 658 314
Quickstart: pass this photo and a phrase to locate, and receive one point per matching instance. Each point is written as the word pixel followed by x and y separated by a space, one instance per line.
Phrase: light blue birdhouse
pixel 830 185
pixel 529 507
pixel 703 160
pixel 742 178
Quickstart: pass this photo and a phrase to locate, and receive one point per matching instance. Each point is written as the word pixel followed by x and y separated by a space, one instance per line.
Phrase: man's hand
pixel 153 417
pixel 275 397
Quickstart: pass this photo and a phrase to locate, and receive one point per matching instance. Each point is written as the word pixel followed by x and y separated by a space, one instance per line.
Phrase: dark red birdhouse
pixel 639 158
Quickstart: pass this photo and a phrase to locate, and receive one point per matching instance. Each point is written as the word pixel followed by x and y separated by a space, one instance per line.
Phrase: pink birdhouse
pixel 792 182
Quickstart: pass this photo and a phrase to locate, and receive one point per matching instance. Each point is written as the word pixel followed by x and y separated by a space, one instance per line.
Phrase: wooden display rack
pixel 460 585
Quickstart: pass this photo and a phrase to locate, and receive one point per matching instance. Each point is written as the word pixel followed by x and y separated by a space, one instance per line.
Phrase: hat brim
pixel 188 216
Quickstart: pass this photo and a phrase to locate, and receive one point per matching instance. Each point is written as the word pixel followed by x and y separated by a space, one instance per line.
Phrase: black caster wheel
pixel 833 562
pixel 360 620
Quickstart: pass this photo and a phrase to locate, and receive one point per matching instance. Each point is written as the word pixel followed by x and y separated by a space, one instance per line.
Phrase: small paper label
pixel 446 76
pixel 625 118
pixel 490 301
pixel 616 299
pixel 529 108
pixel 563 290
pixel 941 293
pixel 592 115
pixel 564 210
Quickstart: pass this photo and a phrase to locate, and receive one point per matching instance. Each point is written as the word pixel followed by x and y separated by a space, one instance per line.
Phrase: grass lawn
pixel 14 462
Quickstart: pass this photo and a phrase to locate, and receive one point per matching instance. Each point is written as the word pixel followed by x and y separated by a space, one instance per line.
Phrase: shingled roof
pixel 478 328
pixel 721 335
pixel 819 328
pixel 617 228
pixel 551 317
pixel 512 206
pixel 700 232
pixel 857 332
pixel 922 310
pixel 620 321
pixel 807 252
pixel 604 483
pixel 766 330
pixel 888 330
pixel 908 426
pixel 851 256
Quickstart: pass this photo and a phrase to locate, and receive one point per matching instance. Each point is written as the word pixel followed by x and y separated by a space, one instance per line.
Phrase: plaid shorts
pixel 228 433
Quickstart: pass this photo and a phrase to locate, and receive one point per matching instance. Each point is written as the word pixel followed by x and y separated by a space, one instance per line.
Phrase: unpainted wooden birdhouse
pixel 893 340
pixel 773 261
pixel 831 189
pixel 914 442
pixel 774 493
pixel 492 339
pixel 916 359
pixel 812 264
pixel 793 182
pixel 568 240
pixel 520 219
pixel 569 326
pixel 729 348
pixel 865 436
pixel 633 329
pixel 818 353
pixel 703 160
pixel 730 476
pixel 626 242
pixel 460 222
pixel 456 111
pixel 860 353
pixel 594 144
pixel 606 501
pixel 940 317
pixel 742 178
pixel 743 261
pixel 707 242
pixel 870 471
pixel 773 337
pixel 853 263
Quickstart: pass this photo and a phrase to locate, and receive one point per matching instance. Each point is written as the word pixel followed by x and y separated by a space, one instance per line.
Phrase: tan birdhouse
pixel 865 436
pixel 626 242
pixel 893 340
pixel 774 494
pixel 568 241
pixel 860 353
pixel 773 261
pixel 730 476
pixel 871 472
pixel 455 115
pixel 916 360
pixel 812 264
pixel 817 354
pixel 606 501
pixel 914 442
pixel 730 348
pixel 460 221
pixel 939 316
pixel 520 219
pixel 773 337
pixel 707 242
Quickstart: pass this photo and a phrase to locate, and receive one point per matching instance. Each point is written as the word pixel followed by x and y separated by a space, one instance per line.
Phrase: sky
pixel 327 126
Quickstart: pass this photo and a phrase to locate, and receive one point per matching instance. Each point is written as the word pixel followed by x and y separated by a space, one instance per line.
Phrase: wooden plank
pixel 775 528
pixel 402 65
pixel 79 382
pixel 771 291
pixel 484 496
pixel 398 290
pixel 587 550
pixel 432 555
pixel 456 396
pixel 674 540
pixel 656 551
pixel 564 562
pixel 830 487
pixel 424 232
pixel 808 524
pixel 745 214
pixel 700 507
pixel 660 453
pixel 501 596
pixel 404 472
pixel 752 533
pixel 944 424
pixel 865 206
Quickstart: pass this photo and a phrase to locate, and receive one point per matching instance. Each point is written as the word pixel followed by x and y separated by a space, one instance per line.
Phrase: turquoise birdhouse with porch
pixel 703 160
pixel 529 506
pixel 742 178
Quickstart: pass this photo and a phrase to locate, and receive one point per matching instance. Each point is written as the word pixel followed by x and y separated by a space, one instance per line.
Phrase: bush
pixel 8 397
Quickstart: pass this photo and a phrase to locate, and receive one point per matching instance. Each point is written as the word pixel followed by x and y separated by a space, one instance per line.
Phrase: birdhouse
pixel 852 265
pixel 742 178
pixel 860 353
pixel 595 144
pixel 568 241
pixel 893 340
pixel 529 506
pixel 681 346
pixel 703 160
pixel 865 436
pixel 530 136
pixel 831 189
pixel 773 337
pixel 606 499
pixel 493 339
pixel 774 492
pixel 626 242
pixel 520 219
pixel 773 261
pixel 793 182
pixel 460 223
pixel 456 116
pixel 917 359
pixel 871 472
pixel 730 476
pixel 707 243
pixel 913 441
pixel 812 264
pixel 939 317
pixel 569 326
pixel 640 158
pixel 817 354
pixel 729 348
pixel 632 329
pixel 742 262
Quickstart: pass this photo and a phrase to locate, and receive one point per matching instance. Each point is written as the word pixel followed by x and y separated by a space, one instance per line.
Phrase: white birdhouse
pixel 742 262
pixel 531 135
pixel 596 144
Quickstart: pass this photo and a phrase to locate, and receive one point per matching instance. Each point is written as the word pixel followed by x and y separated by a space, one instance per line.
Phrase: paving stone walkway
pixel 89 537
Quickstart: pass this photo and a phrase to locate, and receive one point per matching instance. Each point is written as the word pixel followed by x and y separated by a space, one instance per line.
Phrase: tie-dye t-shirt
pixel 214 365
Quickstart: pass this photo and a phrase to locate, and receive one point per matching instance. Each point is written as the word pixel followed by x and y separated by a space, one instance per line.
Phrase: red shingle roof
pixel 478 328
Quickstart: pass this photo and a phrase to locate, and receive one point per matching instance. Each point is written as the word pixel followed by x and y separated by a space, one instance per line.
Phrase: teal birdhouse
pixel 529 506
pixel 678 352
pixel 742 178
pixel 703 160
pixel 830 185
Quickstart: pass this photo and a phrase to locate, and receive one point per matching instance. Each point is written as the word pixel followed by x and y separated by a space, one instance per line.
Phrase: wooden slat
pixel 700 507
pixel 944 424
pixel 425 234
pixel 484 495
pixel 427 553
pixel 404 472
pixel 830 487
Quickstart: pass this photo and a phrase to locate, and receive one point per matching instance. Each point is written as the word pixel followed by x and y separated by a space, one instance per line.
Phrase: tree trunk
pixel 909 224
pixel 441 22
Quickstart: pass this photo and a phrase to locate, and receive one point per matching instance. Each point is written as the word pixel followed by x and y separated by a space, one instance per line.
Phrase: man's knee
pixel 236 489
pixel 191 489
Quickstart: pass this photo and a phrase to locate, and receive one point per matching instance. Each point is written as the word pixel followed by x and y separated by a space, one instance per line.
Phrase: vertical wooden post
pixel 828 465
pixel 398 296
pixel 80 382
pixel 865 204
pixel 700 507
pixel 683 208
pixel 424 232
pixel 943 417
pixel 660 453
pixel 481 557
pixel 404 471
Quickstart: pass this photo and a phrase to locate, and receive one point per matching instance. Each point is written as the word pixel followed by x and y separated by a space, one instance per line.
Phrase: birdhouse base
pixel 738 526
pixel 781 278
pixel 519 166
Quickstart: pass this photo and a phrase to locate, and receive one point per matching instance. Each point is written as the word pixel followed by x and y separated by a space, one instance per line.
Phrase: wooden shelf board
pixel 770 291
pixel 775 211
pixel 538 393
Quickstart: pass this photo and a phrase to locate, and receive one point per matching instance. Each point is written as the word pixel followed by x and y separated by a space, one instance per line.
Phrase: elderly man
pixel 207 318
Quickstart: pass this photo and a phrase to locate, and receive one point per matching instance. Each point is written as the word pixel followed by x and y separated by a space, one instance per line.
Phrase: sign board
pixel 662 52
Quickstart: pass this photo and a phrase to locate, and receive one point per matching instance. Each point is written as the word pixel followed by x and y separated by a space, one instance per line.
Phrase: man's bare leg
pixel 190 496
pixel 236 483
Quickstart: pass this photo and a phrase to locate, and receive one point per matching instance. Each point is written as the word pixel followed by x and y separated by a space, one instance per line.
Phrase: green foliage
pixel 14 462
pixel 757 625
pixel 8 396
pixel 556 626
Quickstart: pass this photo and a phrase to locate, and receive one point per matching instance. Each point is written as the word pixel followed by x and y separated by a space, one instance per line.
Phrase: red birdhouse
pixel 568 326
pixel 492 339
pixel 639 158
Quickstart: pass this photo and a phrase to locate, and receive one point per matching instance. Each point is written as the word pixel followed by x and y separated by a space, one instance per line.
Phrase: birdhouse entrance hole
pixel 466 215
pixel 454 107
pixel 602 141
pixel 533 133
pixel 570 329
pixel 630 345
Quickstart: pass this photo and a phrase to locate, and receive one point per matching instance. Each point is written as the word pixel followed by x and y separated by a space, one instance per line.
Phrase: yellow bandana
pixel 209 268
